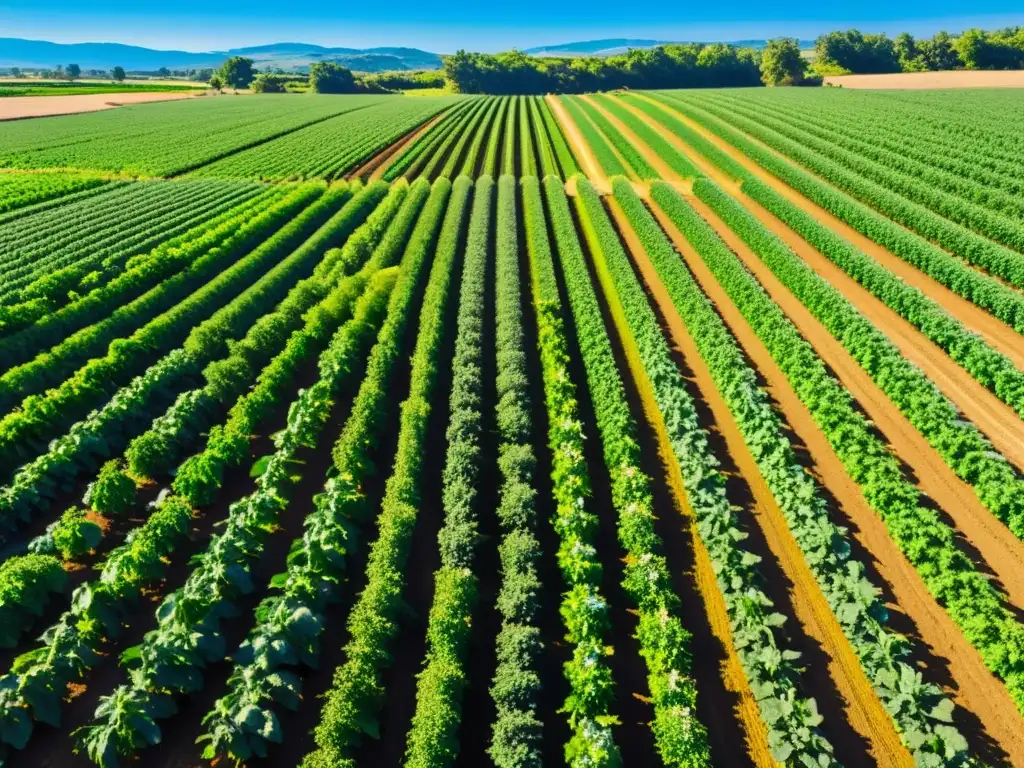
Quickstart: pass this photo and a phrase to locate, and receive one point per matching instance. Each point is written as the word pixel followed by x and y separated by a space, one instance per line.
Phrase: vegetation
pixel 308 423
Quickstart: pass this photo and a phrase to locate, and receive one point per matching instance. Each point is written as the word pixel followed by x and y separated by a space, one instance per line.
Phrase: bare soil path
pixel 378 165
pixel 1000 550
pixel 864 710
pixel 916 81
pixel 580 148
pixel 18 107
pixel 998 421
pixel 987 710
pixel 999 335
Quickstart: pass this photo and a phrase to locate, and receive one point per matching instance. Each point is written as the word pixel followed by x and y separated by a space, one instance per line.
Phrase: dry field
pixel 17 107
pixel 931 80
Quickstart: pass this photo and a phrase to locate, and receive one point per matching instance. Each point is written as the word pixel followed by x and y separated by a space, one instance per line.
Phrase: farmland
pixel 677 427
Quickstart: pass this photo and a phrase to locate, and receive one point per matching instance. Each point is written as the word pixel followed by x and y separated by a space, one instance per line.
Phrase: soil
pixel 996 545
pixel 580 148
pixel 19 107
pixel 999 335
pixel 737 697
pixel 863 708
pixel 930 80
pixel 378 165
pixel 997 420
pixel 985 713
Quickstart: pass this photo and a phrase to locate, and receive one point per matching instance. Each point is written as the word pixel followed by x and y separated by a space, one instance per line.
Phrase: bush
pixel 113 492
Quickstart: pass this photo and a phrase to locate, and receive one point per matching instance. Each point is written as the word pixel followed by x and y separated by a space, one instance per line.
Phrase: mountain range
pixel 15 52
pixel 39 54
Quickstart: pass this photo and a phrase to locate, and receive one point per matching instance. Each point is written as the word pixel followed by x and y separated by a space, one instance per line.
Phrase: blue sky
pixel 491 25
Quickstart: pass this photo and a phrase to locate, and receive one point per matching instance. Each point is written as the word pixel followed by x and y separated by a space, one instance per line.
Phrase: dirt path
pixel 988 711
pixel 916 81
pixel 1000 550
pixel 731 671
pixel 378 165
pixel 584 154
pixel 999 335
pixel 998 421
pixel 864 710
pixel 18 107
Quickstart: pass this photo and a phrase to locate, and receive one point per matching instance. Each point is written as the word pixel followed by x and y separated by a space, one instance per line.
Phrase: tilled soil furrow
pixel 992 721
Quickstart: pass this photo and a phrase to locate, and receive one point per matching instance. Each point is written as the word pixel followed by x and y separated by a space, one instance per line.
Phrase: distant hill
pixel 616 45
pixel 29 54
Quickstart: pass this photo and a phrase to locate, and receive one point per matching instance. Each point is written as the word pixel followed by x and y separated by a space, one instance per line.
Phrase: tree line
pixel 699 65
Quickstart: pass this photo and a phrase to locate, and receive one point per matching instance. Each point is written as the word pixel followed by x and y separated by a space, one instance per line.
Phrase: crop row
pixel 286 635
pixel 418 152
pixel 886 145
pixel 432 740
pixel 169 138
pixel 52 348
pixel 584 610
pixel 515 689
pixel 19 190
pixel 261 272
pixel 131 409
pixel 921 714
pixel 105 231
pixel 169 661
pixel 603 151
pixel 988 293
pixel 791 719
pixel 357 693
pixel 98 608
pixel 330 148
pixel 998 260
pixel 627 151
pixel 929 544
pixel 962 446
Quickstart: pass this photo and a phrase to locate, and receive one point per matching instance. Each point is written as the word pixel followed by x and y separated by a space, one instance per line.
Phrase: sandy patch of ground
pixel 17 107
pixel 929 80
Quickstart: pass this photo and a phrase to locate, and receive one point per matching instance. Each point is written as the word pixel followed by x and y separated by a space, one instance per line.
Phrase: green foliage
pixel 113 492
pixel 357 693
pixel 929 544
pixel 328 77
pixel 26 584
pixel 237 72
pixel 118 74
pixel 884 655
pixel 668 66
pixel 267 83
pixel 584 610
pixel 73 535
pixel 853 51
pixel 782 63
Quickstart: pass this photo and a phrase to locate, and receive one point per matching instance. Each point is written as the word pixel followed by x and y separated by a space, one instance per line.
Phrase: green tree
pixel 15 72
pixel 74 71
pixel 267 83
pixel 781 62
pixel 118 73
pixel 216 82
pixel 327 77
pixel 237 72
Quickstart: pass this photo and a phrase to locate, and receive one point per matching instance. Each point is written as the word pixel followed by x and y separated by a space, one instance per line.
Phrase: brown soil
pixel 580 148
pixel 378 165
pixel 19 107
pixel 917 81
pixel 731 670
pixel 991 415
pixel 994 331
pixel 864 710
pixel 983 698
pixel 1001 551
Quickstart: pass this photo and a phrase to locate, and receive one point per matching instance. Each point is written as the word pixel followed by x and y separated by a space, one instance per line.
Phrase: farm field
pixel 677 428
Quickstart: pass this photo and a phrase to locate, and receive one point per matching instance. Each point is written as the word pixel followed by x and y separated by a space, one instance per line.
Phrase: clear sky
pixel 482 25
